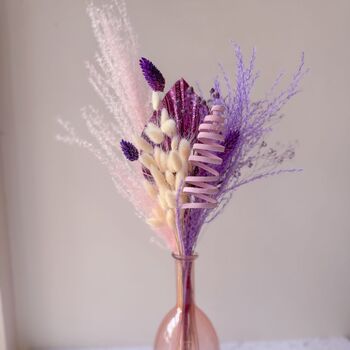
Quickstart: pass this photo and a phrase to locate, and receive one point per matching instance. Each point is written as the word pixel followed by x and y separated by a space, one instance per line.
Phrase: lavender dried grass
pixel 247 156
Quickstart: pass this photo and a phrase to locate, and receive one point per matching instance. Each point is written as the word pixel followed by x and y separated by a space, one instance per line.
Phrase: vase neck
pixel 185 280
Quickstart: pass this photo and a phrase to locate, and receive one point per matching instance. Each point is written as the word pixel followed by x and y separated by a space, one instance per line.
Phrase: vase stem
pixel 186 302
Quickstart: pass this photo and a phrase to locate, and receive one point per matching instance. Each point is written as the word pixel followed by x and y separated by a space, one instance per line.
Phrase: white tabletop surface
pixel 306 344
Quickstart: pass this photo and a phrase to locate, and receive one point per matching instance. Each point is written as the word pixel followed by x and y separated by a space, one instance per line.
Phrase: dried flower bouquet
pixel 177 155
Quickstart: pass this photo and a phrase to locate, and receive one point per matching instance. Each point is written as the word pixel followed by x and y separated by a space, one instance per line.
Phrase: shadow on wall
pixel 7 325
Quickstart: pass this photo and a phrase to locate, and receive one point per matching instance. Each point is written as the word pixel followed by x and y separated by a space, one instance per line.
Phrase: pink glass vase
pixel 186 327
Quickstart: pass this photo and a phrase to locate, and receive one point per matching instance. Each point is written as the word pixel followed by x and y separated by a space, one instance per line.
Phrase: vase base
pixel 173 334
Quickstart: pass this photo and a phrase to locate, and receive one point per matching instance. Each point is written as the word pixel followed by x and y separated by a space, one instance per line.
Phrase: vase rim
pixel 182 257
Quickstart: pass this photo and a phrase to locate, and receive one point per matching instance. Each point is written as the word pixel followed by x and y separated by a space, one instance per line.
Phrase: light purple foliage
pixel 247 157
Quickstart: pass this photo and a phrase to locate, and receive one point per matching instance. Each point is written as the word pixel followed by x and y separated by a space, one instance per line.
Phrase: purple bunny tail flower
pixel 152 75
pixel 129 150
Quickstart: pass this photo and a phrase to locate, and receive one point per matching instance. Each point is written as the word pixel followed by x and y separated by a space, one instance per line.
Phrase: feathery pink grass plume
pixel 117 79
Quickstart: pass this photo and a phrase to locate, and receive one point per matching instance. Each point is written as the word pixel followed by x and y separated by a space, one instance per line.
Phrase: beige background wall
pixel 275 265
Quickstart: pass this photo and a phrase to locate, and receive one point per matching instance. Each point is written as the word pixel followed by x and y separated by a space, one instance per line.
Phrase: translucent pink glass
pixel 186 327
